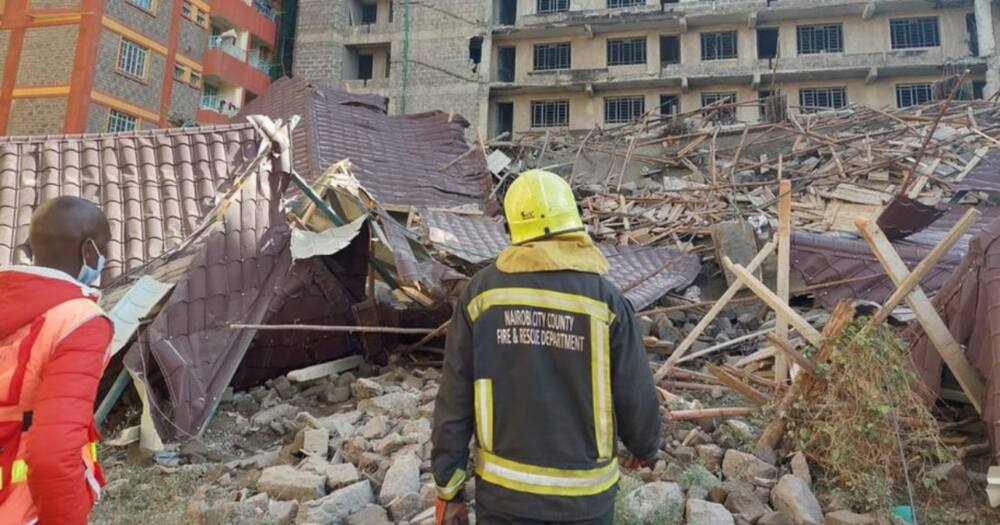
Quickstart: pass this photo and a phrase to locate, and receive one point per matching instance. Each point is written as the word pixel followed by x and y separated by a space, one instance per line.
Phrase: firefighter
pixel 545 365
pixel 54 343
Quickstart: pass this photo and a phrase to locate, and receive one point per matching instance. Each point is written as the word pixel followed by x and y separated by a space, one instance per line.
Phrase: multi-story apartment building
pixel 574 64
pixel 73 66
pixel 239 61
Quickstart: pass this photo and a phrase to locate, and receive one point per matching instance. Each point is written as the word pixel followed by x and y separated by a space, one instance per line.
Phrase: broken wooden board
pixel 324 369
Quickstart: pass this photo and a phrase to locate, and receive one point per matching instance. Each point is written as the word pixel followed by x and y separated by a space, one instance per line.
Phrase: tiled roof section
pixel 155 186
pixel 905 216
pixel 401 160
pixel 985 176
pixel 969 304
pixel 644 274
pixel 849 263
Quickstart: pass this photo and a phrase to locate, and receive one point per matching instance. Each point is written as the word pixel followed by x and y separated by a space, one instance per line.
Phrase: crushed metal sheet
pixel 984 177
pixel 854 272
pixel 905 216
pixel 402 160
pixel 307 244
pixel 969 304
pixel 644 274
pixel 128 313
pixel 498 161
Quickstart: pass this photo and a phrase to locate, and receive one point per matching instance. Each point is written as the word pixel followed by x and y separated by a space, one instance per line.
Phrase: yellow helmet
pixel 540 204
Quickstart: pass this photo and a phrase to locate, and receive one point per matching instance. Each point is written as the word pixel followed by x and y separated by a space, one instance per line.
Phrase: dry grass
pixel 849 430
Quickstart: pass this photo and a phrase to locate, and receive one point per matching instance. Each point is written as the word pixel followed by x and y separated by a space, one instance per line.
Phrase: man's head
pixel 539 205
pixel 70 234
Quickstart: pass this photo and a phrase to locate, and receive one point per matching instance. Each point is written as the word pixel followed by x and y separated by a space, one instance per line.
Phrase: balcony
pixel 255 16
pixel 236 66
pixel 218 105
pixel 228 47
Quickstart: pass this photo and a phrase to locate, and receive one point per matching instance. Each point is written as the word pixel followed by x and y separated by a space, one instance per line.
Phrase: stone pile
pixel 367 461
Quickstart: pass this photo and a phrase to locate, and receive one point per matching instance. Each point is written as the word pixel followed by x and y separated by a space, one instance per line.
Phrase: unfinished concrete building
pixel 422 56
pixel 531 65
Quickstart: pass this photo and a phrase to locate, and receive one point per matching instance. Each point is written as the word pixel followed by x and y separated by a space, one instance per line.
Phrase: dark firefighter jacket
pixel 546 366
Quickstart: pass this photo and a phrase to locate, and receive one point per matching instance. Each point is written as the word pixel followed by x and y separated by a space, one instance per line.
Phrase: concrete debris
pixel 845 517
pixel 741 466
pixel 287 483
pixel 337 506
pixel 402 478
pixel 700 512
pixel 654 502
pixel 792 496
pixel 340 475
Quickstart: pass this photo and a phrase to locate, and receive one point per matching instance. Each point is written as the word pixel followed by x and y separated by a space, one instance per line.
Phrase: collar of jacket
pixel 570 251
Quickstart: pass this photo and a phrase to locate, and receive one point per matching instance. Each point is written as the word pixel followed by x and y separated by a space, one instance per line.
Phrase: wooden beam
pixel 785 347
pixel 733 382
pixel 719 305
pixel 913 279
pixel 780 308
pixel 951 352
pixel 710 413
pixel 324 369
pixel 784 263
pixel 842 315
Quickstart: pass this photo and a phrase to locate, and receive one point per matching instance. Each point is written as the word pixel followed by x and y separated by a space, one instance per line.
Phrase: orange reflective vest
pixel 23 355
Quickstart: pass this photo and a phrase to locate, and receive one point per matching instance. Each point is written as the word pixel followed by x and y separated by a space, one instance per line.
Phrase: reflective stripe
pixel 484 413
pixel 18 471
pixel 540 299
pixel 544 480
pixel 600 375
pixel 92 450
pixel 449 491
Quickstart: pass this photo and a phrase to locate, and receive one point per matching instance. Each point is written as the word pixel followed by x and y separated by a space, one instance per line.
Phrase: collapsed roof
pixel 411 160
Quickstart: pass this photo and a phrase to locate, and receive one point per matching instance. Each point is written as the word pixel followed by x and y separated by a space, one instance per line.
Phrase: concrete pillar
pixel 988 45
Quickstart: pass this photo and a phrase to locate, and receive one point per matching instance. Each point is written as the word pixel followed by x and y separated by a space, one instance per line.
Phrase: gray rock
pixel 284 387
pixel 698 492
pixel 800 467
pixel 685 455
pixel 375 428
pixel 402 478
pixel 405 507
pixel 366 389
pixel 746 503
pixel 286 483
pixel 369 515
pixel 417 431
pixel 952 479
pixel 340 475
pixel 766 454
pixel 846 517
pixel 792 496
pixel 741 466
pixel 269 415
pixel 337 506
pixel 337 393
pixel 316 442
pixel 775 518
pixel 389 444
pixel 701 512
pixel 392 405
pixel 342 424
pixel 655 503
pixel 710 456
pixel 281 512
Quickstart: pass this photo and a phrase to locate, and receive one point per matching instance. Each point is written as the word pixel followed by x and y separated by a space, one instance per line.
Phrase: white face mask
pixel 88 275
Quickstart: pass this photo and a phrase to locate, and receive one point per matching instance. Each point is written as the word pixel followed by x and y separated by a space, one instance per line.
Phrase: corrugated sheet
pixel 985 176
pixel 855 273
pixel 155 186
pixel 643 274
pixel 969 303
pixel 399 159
pixel 905 216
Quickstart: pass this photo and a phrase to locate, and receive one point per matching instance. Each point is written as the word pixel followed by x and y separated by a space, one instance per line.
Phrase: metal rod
pixel 343 329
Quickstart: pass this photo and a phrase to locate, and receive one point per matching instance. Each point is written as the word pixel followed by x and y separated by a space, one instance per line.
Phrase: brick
pixel 47 55
pixel 36 116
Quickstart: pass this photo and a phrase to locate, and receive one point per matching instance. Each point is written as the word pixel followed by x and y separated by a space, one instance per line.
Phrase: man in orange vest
pixel 54 345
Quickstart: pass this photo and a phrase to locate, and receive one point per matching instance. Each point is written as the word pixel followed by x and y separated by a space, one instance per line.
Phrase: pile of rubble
pixel 355 448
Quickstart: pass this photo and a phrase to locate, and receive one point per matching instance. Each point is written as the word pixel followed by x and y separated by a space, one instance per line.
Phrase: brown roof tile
pixel 397 158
